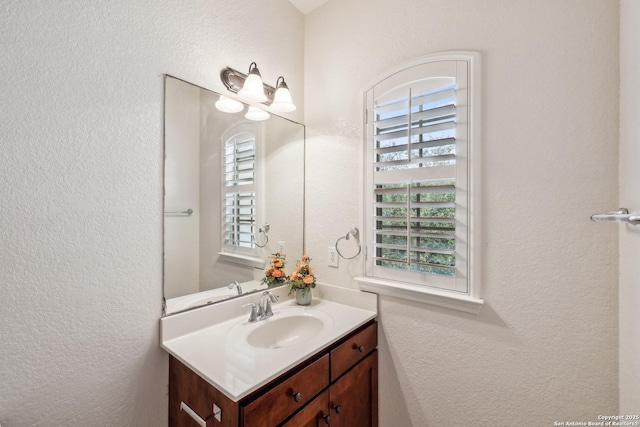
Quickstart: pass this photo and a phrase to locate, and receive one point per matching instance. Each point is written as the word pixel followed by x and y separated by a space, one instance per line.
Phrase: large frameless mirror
pixel 234 195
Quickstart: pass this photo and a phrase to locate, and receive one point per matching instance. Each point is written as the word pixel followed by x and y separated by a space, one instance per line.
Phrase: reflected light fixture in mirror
pixel 282 102
pixel 253 88
pixel 256 114
pixel 228 105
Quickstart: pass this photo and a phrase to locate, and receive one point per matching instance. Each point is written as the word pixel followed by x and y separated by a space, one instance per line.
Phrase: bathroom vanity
pixel 304 366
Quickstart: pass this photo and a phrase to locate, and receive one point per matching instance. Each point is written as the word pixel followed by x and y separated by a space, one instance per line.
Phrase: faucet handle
pixel 253 316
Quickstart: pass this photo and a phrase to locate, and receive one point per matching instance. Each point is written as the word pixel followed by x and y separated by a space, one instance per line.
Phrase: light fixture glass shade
pixel 256 114
pixel 282 102
pixel 253 88
pixel 228 105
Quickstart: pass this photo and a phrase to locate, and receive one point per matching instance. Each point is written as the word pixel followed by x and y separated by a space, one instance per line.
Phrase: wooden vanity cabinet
pixel 337 386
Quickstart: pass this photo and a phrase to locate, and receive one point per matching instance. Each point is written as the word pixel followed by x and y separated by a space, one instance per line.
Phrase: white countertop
pixel 219 353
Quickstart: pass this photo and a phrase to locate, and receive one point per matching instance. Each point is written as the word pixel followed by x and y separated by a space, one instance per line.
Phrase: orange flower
pixel 305 257
pixel 308 280
pixel 294 276
pixel 269 272
pixel 278 264
pixel 278 273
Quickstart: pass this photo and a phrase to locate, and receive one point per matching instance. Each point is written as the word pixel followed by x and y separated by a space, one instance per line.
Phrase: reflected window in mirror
pixel 240 190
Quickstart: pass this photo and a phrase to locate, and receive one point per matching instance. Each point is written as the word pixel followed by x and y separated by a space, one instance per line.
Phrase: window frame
pixel 455 297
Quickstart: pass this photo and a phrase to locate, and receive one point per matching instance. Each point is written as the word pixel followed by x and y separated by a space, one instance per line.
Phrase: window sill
pixel 454 301
pixel 242 259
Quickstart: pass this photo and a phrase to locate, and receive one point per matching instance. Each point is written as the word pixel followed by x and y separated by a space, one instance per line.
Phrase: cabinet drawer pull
pixel 360 348
pixel 326 418
pixel 184 407
pixel 337 408
pixel 297 397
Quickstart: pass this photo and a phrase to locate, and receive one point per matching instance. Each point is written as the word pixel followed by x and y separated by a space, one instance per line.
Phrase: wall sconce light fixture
pixel 251 87
pixel 282 102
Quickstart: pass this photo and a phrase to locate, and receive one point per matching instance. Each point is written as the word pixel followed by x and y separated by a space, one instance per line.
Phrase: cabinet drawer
pixel 287 397
pixel 353 350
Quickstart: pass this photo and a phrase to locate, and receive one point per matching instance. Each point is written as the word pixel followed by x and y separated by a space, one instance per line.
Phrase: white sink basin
pixel 285 331
pixel 287 327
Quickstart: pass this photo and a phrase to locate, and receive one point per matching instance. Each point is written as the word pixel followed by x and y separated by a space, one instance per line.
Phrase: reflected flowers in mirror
pixel 275 274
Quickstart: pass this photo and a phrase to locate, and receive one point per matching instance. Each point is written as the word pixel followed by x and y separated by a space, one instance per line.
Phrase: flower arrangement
pixel 275 274
pixel 302 278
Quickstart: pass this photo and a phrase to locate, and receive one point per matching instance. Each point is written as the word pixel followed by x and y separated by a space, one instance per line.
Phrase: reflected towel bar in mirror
pixel 188 212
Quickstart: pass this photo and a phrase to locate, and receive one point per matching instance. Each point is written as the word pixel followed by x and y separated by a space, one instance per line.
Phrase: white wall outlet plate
pixel 333 257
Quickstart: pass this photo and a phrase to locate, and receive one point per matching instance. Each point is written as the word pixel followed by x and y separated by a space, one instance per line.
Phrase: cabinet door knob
pixel 297 397
pixel 360 348
pixel 337 408
pixel 326 418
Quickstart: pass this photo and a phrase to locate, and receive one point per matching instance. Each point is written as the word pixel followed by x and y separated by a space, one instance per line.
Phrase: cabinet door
pixel 186 386
pixel 313 415
pixel 354 397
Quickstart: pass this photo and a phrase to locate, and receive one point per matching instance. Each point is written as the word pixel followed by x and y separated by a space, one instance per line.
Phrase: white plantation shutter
pixel 239 191
pixel 417 180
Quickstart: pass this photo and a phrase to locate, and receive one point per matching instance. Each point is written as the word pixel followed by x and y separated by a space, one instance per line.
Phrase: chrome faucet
pixel 236 285
pixel 264 310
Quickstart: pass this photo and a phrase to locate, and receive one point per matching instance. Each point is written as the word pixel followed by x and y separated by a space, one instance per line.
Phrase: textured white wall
pixel 630 198
pixel 81 190
pixel 544 348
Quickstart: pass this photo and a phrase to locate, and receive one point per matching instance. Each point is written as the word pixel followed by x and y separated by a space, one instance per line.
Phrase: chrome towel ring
pixel 262 230
pixel 355 233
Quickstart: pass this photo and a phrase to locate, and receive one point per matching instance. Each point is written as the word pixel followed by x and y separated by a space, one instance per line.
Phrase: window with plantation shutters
pixel 418 178
pixel 239 190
